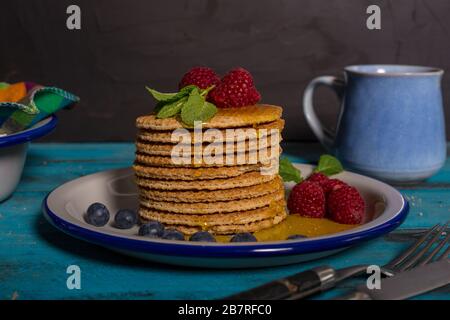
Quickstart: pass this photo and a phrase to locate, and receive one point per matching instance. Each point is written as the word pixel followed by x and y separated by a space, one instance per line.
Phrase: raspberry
pixel 327 184
pixel 319 178
pixel 307 199
pixel 333 184
pixel 202 77
pixel 345 205
pixel 236 89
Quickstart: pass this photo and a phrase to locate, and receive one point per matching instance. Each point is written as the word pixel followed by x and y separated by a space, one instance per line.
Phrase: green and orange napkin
pixel 24 104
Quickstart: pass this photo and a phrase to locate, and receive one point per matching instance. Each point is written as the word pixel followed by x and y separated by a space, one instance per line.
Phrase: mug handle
pixel 324 135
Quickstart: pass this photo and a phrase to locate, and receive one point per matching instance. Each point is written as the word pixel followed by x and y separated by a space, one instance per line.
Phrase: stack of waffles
pixel 220 176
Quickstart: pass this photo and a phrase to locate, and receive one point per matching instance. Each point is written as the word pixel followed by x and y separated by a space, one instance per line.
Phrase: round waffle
pixel 244 180
pixel 192 196
pixel 224 118
pixel 263 130
pixel 213 207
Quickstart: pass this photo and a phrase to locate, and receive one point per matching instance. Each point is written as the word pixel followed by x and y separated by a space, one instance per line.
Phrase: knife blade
pixel 406 284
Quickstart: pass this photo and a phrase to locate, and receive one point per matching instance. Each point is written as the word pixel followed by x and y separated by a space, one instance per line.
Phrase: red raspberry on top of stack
pixel 202 77
pixel 236 89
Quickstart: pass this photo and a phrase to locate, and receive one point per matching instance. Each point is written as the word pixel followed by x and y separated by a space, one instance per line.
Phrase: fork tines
pixel 426 249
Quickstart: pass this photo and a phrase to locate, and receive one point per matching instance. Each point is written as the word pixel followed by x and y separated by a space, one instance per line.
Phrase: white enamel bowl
pixel 13 153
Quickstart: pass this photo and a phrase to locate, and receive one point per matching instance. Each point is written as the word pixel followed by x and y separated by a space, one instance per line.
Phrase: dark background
pixel 124 45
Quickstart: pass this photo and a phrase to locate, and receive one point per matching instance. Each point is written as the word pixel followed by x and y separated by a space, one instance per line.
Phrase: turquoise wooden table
pixel 34 256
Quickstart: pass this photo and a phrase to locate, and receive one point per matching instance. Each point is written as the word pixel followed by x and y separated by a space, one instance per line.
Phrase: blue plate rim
pixel 259 250
pixel 30 134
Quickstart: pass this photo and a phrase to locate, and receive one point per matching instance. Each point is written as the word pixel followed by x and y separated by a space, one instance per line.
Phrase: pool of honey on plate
pixel 296 224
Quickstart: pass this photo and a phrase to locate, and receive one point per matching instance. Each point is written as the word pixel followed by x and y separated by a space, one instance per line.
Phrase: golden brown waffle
pixel 225 118
pixel 217 219
pixel 253 157
pixel 233 228
pixel 165 149
pixel 192 174
pixel 193 196
pixel 213 207
pixel 243 180
pixel 159 136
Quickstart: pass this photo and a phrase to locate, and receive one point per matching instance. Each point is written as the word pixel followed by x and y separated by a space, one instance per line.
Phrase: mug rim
pixel 414 70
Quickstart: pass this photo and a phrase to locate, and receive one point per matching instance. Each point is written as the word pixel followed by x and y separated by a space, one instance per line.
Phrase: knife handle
pixel 302 284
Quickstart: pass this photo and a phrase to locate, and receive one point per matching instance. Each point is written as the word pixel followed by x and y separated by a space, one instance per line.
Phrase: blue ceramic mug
pixel 391 124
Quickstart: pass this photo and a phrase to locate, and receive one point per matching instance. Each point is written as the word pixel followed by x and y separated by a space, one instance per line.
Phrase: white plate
pixel 65 208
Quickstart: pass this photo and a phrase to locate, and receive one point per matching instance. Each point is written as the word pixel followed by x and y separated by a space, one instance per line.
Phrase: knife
pixel 302 284
pixel 406 284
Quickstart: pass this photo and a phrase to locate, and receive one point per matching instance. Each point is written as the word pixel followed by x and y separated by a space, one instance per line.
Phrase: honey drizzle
pixel 295 224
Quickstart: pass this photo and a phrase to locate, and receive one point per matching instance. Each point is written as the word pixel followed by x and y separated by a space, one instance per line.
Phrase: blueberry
pixel 97 214
pixel 125 219
pixel 243 237
pixel 152 229
pixel 296 236
pixel 172 234
pixel 202 236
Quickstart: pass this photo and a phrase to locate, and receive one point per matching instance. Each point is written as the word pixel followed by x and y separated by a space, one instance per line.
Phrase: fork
pixel 323 278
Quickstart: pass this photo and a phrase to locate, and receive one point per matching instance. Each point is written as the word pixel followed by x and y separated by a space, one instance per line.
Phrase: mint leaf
pixel 159 106
pixel 209 111
pixel 171 109
pixel 329 165
pixel 159 96
pixel 169 98
pixel 204 92
pixel 194 102
pixel 188 89
pixel 190 101
pixel 288 172
pixel 197 109
pixel 184 92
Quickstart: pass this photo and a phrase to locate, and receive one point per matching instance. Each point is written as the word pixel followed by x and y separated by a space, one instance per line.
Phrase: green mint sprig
pixel 190 103
pixel 329 165
pixel 288 172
